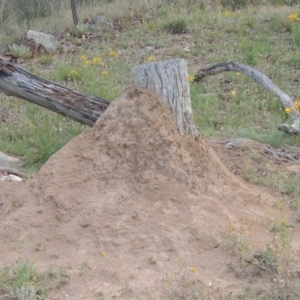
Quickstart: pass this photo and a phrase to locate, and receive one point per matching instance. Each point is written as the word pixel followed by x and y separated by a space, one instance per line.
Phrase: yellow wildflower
pixel 193 270
pixel 226 14
pixel 88 63
pixel 296 105
pixel 97 60
pixel 238 73
pixel 293 17
pixel 233 93
pixel 103 254
pixel 288 110
pixel 113 53
pixel 82 58
pixel 73 75
pixel 283 222
pixel 191 78
pixel 104 72
pixel 150 58
pixel 73 72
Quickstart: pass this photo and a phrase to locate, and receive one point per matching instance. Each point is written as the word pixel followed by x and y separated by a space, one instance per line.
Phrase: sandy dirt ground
pixel 130 209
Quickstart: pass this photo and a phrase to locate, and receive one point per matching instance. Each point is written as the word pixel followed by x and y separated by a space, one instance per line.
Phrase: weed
pixel 100 296
pixel 21 281
pixel 19 51
pixel 176 26
pixel 153 259
pixel 63 276
pixel 82 29
pixel 127 291
pixel 68 73
pixel 239 239
pixel 45 60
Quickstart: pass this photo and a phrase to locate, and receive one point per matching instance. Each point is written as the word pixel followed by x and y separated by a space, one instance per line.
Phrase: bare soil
pixel 133 210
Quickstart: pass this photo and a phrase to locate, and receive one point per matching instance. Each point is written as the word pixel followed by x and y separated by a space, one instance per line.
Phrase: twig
pixel 13 171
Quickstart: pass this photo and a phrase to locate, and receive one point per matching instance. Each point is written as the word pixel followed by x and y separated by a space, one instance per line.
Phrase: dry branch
pixel 13 171
pixel 263 80
pixel 259 77
pixel 17 82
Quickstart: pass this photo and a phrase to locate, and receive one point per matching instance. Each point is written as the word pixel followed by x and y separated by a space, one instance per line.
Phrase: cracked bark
pixel 170 80
pixel 82 108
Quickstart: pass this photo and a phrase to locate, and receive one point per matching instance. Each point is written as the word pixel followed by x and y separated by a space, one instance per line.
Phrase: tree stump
pixel 170 80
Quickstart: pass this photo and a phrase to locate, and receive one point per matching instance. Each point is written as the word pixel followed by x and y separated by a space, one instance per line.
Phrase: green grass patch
pixel 22 281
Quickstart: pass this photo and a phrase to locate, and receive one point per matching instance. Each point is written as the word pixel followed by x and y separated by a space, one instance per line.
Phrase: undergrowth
pixel 22 281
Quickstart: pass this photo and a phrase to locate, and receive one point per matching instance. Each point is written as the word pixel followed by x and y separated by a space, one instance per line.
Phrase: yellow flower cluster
pixel 294 17
pixel 226 14
pixel 72 75
pixel 97 60
pixel 191 78
pixel 294 107
pixel 113 53
pixel 150 58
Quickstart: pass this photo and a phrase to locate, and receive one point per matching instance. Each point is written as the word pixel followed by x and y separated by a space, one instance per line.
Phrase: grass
pixel 22 281
pixel 276 262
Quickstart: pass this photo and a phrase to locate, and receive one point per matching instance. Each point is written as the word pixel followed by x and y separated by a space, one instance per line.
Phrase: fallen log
pixel 85 109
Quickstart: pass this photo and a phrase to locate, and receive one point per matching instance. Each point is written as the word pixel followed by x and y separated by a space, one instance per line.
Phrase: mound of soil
pixel 130 208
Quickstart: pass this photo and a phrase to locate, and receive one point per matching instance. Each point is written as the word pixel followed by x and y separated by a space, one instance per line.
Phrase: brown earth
pixel 133 210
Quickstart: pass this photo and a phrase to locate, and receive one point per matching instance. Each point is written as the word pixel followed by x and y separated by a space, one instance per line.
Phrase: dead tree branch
pixel 263 80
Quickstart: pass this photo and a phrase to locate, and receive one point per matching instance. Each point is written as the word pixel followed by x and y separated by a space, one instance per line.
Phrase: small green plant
pixel 153 259
pixel 82 29
pixel 127 291
pixel 21 281
pixel 238 239
pixel 19 51
pixel 69 74
pixel 45 60
pixel 176 26
pixel 100 296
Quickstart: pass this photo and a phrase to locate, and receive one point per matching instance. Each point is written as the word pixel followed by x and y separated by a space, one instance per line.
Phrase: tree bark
pixel 74 12
pixel 170 80
pixel 17 82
